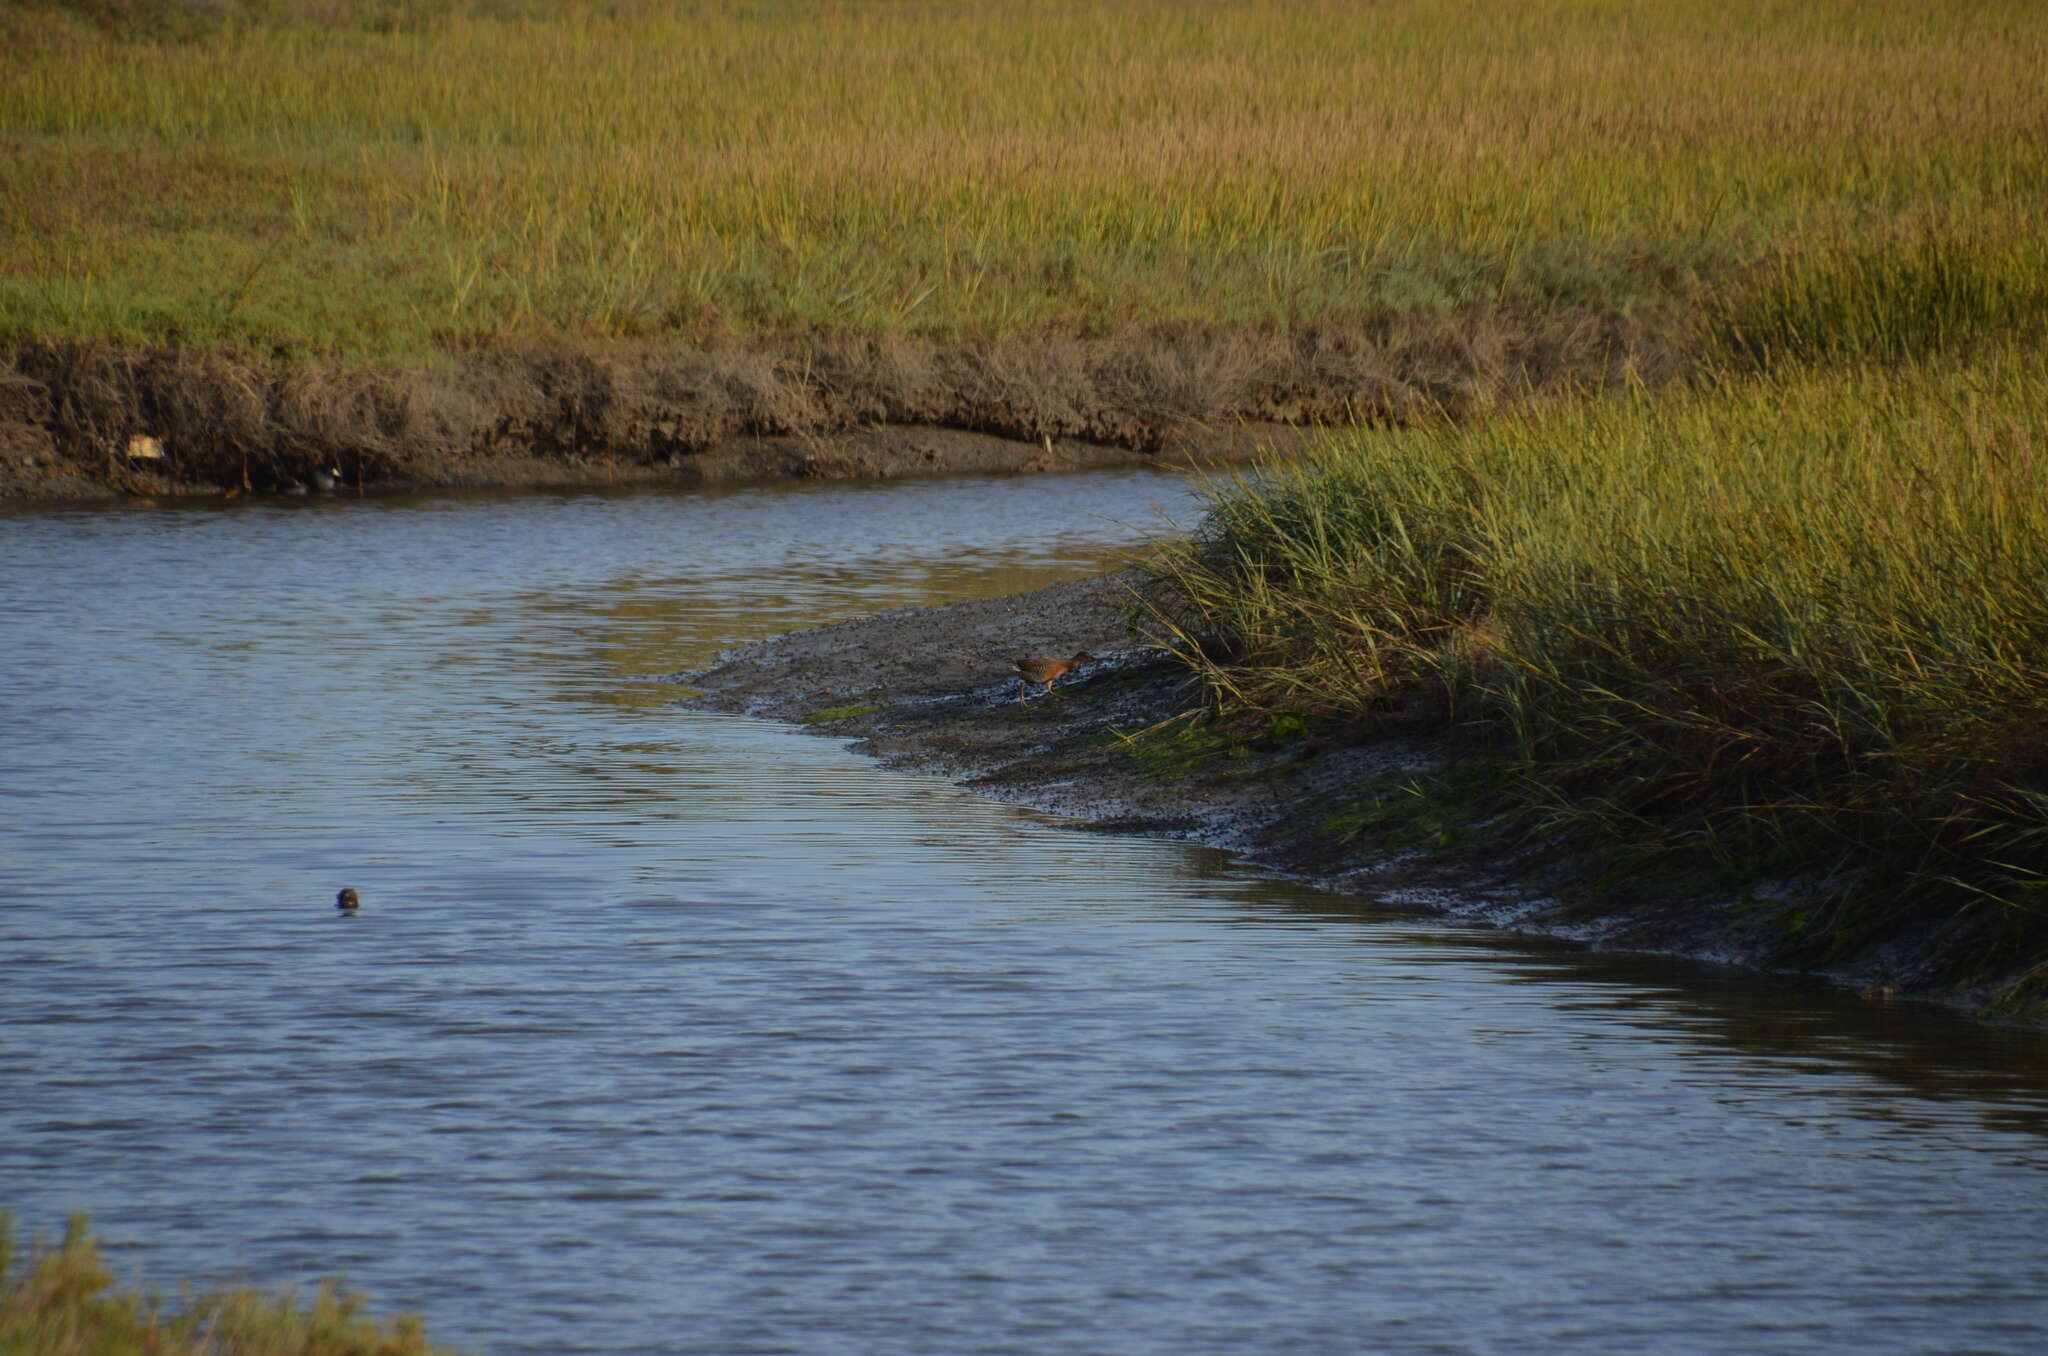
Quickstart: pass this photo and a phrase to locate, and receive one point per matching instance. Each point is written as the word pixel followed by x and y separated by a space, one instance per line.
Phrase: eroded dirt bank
pixel 81 419
pixel 931 690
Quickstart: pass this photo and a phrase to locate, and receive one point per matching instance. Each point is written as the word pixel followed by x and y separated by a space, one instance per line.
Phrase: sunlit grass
pixel 398 177
pixel 1795 620
pixel 62 1302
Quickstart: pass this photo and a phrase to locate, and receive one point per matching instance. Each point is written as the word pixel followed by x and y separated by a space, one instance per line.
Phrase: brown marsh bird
pixel 346 901
pixel 1044 671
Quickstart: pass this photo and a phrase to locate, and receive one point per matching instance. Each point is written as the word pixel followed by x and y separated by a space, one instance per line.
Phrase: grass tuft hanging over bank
pixel 1789 625
pixel 60 1302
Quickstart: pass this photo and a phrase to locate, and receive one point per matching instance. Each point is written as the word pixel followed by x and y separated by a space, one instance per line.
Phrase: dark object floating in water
pixel 347 901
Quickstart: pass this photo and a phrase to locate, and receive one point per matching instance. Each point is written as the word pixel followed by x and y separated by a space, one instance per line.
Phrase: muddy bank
pixel 81 419
pixel 931 690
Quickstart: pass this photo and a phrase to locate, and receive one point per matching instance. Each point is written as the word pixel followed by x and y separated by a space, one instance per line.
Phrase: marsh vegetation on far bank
pixel 377 179
pixel 377 234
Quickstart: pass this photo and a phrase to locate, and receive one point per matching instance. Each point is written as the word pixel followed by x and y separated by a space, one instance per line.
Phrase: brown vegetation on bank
pixel 635 413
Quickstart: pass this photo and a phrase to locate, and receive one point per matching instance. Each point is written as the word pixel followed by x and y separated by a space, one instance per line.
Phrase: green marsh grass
pixel 1920 293
pixel 379 178
pixel 1796 620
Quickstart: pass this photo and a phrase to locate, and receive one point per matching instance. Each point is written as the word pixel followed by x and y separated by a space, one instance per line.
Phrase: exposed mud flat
pixel 931 690
pixel 71 412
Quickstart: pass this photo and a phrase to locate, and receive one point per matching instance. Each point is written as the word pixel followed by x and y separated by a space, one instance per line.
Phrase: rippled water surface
pixel 672 1032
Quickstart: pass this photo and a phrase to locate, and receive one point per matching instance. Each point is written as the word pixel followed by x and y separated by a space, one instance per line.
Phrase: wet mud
pixel 96 418
pixel 931 690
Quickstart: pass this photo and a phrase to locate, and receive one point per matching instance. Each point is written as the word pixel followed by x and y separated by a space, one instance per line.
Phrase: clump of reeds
pixel 1795 621
pixel 62 1304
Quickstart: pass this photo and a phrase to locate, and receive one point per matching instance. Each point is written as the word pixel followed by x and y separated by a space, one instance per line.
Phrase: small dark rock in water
pixel 346 901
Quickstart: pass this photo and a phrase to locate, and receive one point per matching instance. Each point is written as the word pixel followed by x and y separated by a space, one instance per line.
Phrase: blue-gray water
pixel 672 1032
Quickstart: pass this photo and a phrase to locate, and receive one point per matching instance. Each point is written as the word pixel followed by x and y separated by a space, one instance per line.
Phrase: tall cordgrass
pixel 1795 621
pixel 1918 293
pixel 379 177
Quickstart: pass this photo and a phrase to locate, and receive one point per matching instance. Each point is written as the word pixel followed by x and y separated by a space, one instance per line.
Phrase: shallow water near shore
pixel 664 1031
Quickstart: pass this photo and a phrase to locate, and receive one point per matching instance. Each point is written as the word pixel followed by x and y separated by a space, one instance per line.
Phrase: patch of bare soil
pixel 828 406
pixel 932 690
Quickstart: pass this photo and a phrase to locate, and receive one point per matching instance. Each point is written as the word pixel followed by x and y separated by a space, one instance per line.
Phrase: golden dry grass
pixel 377 178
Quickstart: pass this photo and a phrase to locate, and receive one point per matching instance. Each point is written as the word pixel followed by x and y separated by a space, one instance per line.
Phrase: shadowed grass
pixel 61 1304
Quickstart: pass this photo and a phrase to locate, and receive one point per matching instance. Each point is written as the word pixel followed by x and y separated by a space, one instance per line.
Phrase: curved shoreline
pixel 930 690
